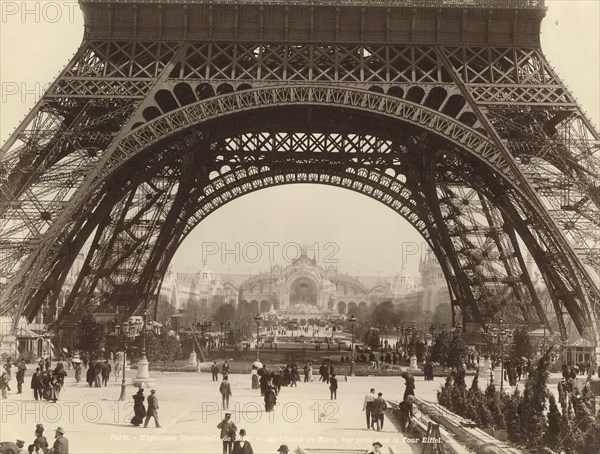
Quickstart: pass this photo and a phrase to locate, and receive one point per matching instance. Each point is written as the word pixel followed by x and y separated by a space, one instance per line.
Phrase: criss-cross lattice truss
pixel 450 116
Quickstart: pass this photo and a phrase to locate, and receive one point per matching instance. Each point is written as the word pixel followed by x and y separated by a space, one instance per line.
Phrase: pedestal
pixel 143 376
pixel 192 362
pixel 413 363
pixel 497 375
pixel 484 369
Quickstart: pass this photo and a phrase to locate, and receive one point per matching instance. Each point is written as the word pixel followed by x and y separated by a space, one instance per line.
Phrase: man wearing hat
pixel 283 449
pixel 376 448
pixel 20 447
pixel 152 409
pixel 61 444
pixel 241 446
pixel 228 430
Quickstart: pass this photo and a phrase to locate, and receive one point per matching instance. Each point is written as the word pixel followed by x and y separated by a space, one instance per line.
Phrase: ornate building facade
pixel 304 287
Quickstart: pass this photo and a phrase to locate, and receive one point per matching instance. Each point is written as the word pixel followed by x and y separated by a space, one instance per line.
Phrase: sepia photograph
pixel 300 226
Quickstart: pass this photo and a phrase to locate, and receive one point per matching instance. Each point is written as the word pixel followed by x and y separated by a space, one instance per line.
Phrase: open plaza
pixel 190 409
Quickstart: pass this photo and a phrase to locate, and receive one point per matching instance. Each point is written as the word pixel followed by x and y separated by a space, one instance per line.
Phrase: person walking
pixel 4 386
pixel 225 390
pixel 225 368
pixel 106 369
pixel 410 385
pixel 152 409
pixel 228 430
pixel 61 443
pixel 36 384
pixel 333 386
pixel 270 397
pixel 241 445
pixel 310 373
pixel 379 406
pixel 368 408
pixel 215 371
pixel 138 408
pixel 21 368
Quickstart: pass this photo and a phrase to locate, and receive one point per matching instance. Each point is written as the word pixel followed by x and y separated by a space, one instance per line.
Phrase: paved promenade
pixel 190 409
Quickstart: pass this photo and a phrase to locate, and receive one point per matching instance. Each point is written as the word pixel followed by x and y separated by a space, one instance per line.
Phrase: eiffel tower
pixel 445 111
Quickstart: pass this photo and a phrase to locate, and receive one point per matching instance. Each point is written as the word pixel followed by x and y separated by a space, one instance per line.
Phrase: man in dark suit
pixel 333 386
pixel 225 390
pixel 241 446
pixel 379 406
pixel 228 430
pixel 225 368
pixel 61 444
pixel 36 384
pixel 215 371
pixel 152 409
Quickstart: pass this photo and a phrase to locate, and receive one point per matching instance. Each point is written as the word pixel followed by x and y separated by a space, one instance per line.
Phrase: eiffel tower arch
pixel 445 111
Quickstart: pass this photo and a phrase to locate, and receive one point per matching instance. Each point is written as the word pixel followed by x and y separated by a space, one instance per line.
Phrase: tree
pixel 372 338
pixel 384 315
pixel 90 334
pixel 457 351
pixel 225 313
pixel 521 345
pixel 552 437
pixel 439 349
pixel 160 347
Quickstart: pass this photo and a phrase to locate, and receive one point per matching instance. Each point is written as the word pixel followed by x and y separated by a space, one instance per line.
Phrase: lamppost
pixel 501 334
pixel 413 358
pixel 128 331
pixel 257 319
pixel 352 320
pixel 143 376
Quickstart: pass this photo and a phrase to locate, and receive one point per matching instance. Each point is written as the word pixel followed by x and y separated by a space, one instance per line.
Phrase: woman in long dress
pixel 255 382
pixel 270 398
pixel 138 408
pixel 310 373
pixel 58 381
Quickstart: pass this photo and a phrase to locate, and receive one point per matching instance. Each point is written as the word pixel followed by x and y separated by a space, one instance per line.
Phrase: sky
pixel 342 228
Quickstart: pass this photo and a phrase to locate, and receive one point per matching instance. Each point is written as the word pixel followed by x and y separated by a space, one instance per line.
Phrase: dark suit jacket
pixel 225 388
pixel 36 381
pixel 333 384
pixel 152 405
pixel 379 406
pixel 61 446
pixel 237 448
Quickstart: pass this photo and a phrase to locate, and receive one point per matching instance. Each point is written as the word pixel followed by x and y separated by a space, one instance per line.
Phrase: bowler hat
pixel 20 443
pixel 242 432
pixel 283 448
pixel 60 430
pixel 378 444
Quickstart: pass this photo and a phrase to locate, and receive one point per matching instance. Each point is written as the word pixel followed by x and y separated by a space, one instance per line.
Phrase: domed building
pixel 304 289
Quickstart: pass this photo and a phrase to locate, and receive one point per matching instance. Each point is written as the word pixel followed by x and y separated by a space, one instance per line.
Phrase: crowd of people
pixel 40 443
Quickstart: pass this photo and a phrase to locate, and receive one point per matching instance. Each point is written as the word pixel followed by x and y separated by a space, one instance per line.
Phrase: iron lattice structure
pixel 446 111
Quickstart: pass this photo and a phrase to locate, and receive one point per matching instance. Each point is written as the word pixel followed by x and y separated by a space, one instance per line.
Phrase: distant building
pixel 305 287
pixel 434 289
